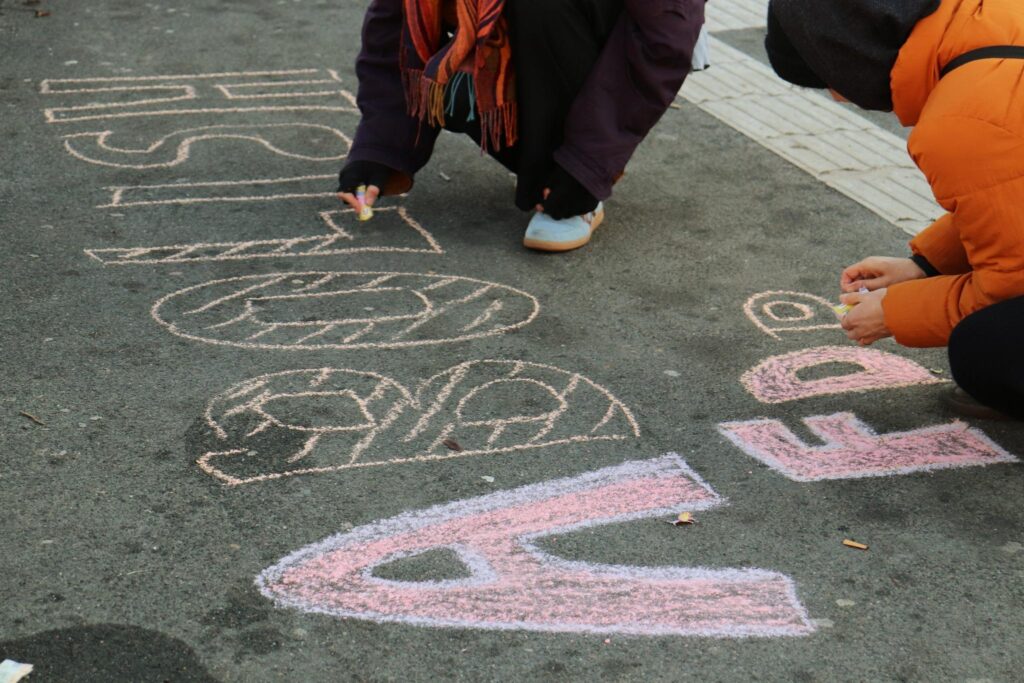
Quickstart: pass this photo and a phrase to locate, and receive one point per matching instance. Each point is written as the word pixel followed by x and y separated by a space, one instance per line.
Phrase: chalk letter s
pixel 515 585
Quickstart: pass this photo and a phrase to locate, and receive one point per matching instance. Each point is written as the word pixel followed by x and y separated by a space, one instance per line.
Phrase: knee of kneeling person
pixel 669 29
pixel 963 356
pixel 969 347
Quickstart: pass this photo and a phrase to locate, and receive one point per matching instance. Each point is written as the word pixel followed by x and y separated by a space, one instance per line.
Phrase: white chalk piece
pixel 701 52
pixel 12 671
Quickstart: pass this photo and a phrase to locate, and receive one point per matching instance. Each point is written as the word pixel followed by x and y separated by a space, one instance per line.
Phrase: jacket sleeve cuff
pixel 941 246
pixel 925 265
pixel 916 311
pixel 402 177
pixel 588 174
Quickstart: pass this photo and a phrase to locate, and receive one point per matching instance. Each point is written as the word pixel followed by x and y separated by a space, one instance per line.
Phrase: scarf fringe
pixel 494 124
pixel 425 100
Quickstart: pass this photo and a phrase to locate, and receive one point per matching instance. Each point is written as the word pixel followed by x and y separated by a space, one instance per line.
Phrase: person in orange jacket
pixel 953 69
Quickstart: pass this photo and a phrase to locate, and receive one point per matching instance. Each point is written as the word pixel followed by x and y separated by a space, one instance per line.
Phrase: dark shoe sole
pixel 962 403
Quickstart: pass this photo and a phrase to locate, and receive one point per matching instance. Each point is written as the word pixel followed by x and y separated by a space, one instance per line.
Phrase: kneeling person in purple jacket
pixel 561 92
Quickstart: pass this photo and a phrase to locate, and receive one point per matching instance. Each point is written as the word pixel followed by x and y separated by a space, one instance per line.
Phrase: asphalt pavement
pixel 247 437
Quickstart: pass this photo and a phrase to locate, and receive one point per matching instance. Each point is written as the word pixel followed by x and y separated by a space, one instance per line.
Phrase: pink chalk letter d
pixel 775 380
pixel 852 450
pixel 515 585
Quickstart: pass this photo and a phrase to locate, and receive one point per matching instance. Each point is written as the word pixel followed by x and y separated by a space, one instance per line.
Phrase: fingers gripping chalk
pixel 366 211
pixel 843 309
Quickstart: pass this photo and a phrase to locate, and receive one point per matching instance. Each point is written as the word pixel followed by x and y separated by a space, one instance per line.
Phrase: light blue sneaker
pixel 546 234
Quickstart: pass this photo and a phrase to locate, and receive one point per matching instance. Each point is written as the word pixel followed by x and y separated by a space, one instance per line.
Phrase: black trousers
pixel 555 44
pixel 986 355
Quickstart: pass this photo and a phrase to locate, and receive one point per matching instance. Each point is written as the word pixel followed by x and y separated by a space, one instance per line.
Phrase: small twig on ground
pixel 32 417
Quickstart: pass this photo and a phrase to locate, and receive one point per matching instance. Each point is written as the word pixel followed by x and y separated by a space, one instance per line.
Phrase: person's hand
pixel 876 272
pixel 355 173
pixel 865 323
pixel 565 197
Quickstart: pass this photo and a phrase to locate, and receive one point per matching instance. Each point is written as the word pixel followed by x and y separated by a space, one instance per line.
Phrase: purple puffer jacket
pixel 636 78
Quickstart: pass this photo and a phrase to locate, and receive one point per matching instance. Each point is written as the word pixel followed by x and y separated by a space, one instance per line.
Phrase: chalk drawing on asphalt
pixel 777 379
pixel 240 92
pixel 323 143
pixel 781 311
pixel 515 585
pixel 344 310
pixel 218 191
pixel 853 450
pixel 331 419
pixel 393 231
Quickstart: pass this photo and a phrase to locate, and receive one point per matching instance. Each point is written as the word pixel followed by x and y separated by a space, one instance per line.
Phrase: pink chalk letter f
pixel 852 450
pixel 515 585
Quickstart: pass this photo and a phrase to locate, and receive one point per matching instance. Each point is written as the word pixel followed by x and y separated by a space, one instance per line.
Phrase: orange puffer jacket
pixel 969 142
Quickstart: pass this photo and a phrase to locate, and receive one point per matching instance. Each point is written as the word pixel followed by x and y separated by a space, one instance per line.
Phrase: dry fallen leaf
pixel 452 445
pixel 42 13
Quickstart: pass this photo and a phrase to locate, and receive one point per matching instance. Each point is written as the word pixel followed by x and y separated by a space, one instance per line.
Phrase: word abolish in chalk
pixel 365 210
pixel 843 309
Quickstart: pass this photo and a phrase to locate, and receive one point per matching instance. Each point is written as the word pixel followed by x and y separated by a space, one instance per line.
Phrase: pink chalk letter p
pixel 775 380
pixel 515 585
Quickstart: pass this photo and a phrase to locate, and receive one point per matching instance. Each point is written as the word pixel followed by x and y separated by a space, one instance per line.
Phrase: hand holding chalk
pixel 365 179
pixel 876 272
pixel 865 321
pixel 364 210
pixel 844 308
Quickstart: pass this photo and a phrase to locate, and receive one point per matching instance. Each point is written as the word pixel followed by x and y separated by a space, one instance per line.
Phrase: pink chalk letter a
pixel 852 450
pixel 515 585
pixel 775 380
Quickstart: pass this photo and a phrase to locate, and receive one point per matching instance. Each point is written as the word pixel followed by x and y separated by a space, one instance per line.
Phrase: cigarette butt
pixel 683 518
pixel 854 544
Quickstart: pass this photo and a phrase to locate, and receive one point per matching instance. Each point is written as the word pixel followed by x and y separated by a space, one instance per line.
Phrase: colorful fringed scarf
pixel 480 49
